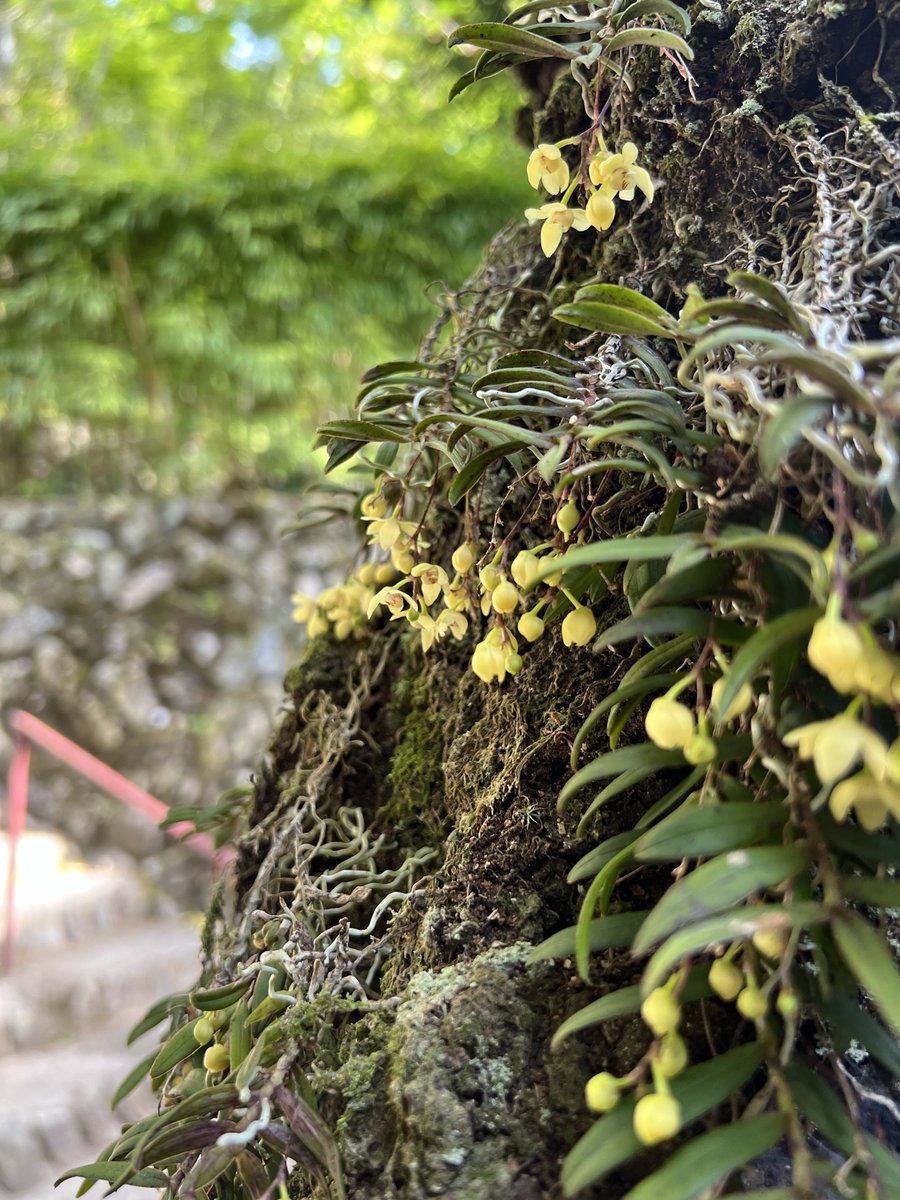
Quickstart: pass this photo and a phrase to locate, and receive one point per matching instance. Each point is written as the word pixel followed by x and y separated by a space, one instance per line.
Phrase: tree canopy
pixel 216 213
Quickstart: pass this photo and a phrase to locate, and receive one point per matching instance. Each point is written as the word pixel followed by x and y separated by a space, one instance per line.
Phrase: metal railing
pixel 27 731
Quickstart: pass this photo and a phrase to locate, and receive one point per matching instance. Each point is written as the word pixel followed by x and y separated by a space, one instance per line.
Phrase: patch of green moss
pixel 416 777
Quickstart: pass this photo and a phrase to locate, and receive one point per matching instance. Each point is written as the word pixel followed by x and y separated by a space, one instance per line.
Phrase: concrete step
pixel 54 1099
pixel 53 993
pixel 59 899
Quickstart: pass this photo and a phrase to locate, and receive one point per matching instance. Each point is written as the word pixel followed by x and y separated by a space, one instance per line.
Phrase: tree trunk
pixel 446 1085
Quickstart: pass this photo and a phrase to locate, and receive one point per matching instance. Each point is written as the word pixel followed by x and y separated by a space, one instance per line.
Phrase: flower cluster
pixel 612 176
pixel 341 610
pixel 672 725
pixel 850 658
pixel 838 745
pixel 657 1114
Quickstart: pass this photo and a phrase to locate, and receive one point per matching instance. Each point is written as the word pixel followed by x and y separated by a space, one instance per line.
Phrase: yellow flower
pixel 739 705
pixel 837 745
pixel 432 580
pixel 836 651
pixel 557 219
pixel 387 531
pixel 568 517
pixel 619 173
pixel 669 725
pixel 372 506
pixel 673 1055
pixel 394 600
pixel 656 1118
pixel 524 568
pixel 304 608
pixel 578 627
pixel 873 800
pixel 548 167
pixel 600 210
pixel 700 750
pixel 435 629
pixel 752 1003
pixel 489 662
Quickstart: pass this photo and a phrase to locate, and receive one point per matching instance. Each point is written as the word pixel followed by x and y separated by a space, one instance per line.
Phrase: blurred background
pixel 214 215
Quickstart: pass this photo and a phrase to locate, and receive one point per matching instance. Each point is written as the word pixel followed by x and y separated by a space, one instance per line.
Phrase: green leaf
pixel 875 892
pixel 719 885
pixel 770 293
pixel 623 1002
pixel 782 432
pixel 852 1022
pixel 181 1045
pixel 701 581
pixel 595 860
pixel 608 318
pixel 625 781
pixel 711 1158
pixel 867 955
pixel 761 648
pixel 654 622
pixel 604 933
pixel 813 364
pixel 707 829
pixel 360 431
pixel 157 1013
pixel 630 691
pixel 110 1172
pixel 738 310
pixel 644 756
pixel 654 8
pixel 624 298
pixel 871 849
pixel 729 927
pixel 616 550
pixel 476 467
pixel 611 1141
pixel 508 39
pixel 661 38
pixel 131 1080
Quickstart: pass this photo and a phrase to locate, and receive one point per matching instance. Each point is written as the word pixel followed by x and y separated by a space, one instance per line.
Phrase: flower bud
pixel 725 979
pixel 661 1011
pixel 385 573
pixel 317 626
pixel 525 568
pixel 203 1031
pixel 343 629
pixel 669 725
pixel 513 663
pixel 489 577
pixel 366 573
pixel 463 557
pixel 788 1004
pixel 216 1058
pixel 770 942
pixel 602 1092
pixel 504 597
pixel 530 626
pixel 579 627
pixel 568 516
pixel 751 1003
pixel 739 705
pixel 656 1118
pixel 672 1057
pixel 403 561
pixel 488 662
pixel 373 506
pixel 836 650
pixel 700 750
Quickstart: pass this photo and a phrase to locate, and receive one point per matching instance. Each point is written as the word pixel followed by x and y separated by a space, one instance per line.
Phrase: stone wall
pixel 156 636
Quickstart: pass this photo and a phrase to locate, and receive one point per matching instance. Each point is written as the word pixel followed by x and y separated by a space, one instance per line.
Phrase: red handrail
pixel 27 730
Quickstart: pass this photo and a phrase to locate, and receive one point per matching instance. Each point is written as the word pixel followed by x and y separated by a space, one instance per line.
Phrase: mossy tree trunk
pixel 447 1086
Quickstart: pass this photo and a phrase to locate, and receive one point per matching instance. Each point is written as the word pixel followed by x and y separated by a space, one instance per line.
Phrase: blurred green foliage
pixel 215 214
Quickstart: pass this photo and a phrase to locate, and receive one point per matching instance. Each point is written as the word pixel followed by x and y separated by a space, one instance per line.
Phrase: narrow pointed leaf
pixel 762 647
pixel 708 829
pixel 157 1014
pixel 605 933
pixel 654 8
pixel 476 467
pixel 623 1002
pixel 728 927
pixel 110 1172
pixel 719 885
pixel 866 953
pixel 782 432
pixel 509 39
pixel 131 1080
pixel 608 318
pixel 661 38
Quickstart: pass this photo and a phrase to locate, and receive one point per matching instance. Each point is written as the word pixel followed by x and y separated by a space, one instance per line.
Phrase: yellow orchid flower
pixel 393 599
pixel 432 580
pixel 873 800
pixel 557 219
pixel 600 210
pixel 620 174
pixel 548 167
pixel 838 744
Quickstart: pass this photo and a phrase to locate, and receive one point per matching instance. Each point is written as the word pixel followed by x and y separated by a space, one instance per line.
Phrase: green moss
pixel 416 779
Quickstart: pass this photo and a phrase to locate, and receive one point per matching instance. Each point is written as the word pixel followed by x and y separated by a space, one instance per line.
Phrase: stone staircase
pixel 95 950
